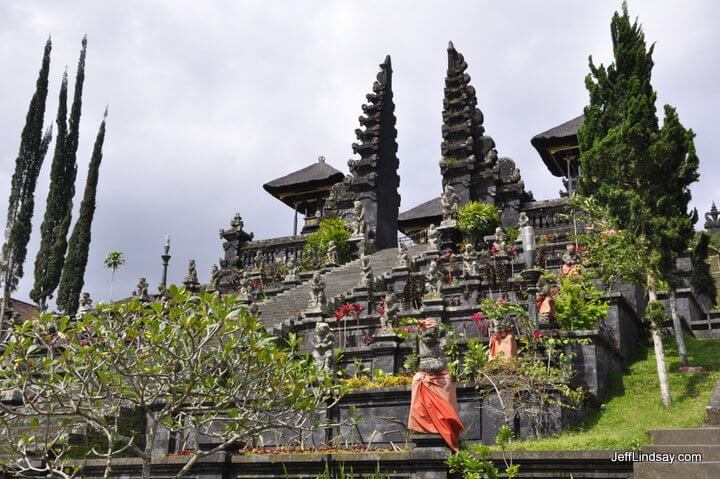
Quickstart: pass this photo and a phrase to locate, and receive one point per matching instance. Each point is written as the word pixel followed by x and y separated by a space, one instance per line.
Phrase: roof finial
pixel 321 159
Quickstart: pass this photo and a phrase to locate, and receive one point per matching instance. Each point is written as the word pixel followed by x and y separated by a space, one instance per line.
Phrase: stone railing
pixel 550 215
pixel 272 249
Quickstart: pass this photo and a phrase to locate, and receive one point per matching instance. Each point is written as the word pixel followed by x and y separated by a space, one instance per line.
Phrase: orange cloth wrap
pixel 433 407
pixel 503 343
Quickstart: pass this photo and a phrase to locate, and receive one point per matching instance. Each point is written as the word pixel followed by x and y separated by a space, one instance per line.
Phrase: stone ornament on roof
pixel 712 218
pixel 214 278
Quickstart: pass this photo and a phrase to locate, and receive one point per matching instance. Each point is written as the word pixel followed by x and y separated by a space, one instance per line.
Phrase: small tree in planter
pixel 476 219
pixel 316 247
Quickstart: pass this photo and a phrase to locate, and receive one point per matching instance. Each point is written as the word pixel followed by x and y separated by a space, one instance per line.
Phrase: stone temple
pixel 391 253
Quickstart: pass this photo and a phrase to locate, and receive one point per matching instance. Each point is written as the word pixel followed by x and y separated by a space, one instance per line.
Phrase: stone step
pixel 707 452
pixel 678 470
pixel 684 437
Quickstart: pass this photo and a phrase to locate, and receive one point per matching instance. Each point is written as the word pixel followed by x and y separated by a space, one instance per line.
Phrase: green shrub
pixel 579 304
pixel 476 219
pixel 330 229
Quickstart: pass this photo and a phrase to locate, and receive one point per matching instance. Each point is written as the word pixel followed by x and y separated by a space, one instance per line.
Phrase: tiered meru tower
pixel 468 155
pixel 373 178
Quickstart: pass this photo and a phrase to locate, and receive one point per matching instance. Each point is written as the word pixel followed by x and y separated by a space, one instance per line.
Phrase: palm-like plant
pixel 113 261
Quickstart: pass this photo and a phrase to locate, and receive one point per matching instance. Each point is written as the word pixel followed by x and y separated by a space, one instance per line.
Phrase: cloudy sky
pixel 209 100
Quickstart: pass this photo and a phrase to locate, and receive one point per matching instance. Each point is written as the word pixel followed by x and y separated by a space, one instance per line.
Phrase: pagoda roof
pixel 421 216
pixel 555 144
pixel 317 176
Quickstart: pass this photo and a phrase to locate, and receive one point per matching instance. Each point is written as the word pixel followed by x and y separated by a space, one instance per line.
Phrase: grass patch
pixel 634 405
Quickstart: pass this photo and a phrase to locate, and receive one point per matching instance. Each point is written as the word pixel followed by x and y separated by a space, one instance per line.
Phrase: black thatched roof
pixel 428 209
pixel 561 138
pixel 317 174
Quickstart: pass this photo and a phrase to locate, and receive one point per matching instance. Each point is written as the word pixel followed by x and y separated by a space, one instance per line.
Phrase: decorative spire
pixel 374 179
pixel 468 156
pixel 712 219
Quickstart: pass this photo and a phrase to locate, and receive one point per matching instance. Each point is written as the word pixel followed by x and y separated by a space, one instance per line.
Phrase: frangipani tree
pixel 197 365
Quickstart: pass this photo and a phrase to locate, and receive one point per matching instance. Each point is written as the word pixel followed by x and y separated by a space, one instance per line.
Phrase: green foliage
pixel 73 273
pixel 578 304
pixel 612 254
pixel 203 357
pixel 58 210
pixel 655 313
pixel 637 170
pixel 633 395
pixel 701 279
pixel 475 462
pixel 477 219
pixel 475 359
pixel 21 202
pixel 499 308
pixel 330 229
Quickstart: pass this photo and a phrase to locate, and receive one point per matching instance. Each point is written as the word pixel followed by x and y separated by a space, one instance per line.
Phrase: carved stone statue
pixel 366 276
pixel 323 344
pixel 388 319
pixel 258 262
pixel 245 288
pixel 433 400
pixel 402 257
pixel 571 261
pixel 141 290
pixel 85 303
pixel 712 219
pixel 500 240
pixel 359 225
pixel 293 270
pixel 214 278
pixel 433 280
pixel 432 359
pixel 470 264
pixel 433 238
pixel 332 257
pixel 523 220
pixel 191 281
pixel 545 301
pixel 450 203
pixel 317 301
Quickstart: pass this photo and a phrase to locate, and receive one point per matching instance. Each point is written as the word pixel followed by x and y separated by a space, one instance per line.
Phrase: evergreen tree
pixel 21 204
pixel 73 273
pixel 58 211
pixel 640 172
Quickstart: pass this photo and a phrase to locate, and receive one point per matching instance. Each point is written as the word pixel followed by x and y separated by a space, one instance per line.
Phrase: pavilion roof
pixel 557 142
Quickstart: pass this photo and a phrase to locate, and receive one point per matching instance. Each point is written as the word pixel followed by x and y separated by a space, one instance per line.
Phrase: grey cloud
pixel 209 100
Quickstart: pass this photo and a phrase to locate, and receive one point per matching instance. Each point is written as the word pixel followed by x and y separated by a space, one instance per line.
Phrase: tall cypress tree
pixel 21 204
pixel 73 273
pixel 638 171
pixel 58 211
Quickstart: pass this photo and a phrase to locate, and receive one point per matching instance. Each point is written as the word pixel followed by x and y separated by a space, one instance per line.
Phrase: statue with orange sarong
pixel 503 343
pixel 433 402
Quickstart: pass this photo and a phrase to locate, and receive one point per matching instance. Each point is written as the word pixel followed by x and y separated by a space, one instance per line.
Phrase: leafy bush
pixel 476 357
pixel 578 304
pixel 475 461
pixel 330 229
pixel 476 219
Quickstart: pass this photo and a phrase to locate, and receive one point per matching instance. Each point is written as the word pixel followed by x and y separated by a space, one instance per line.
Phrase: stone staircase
pixel 289 304
pixel 707 328
pixel 703 441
